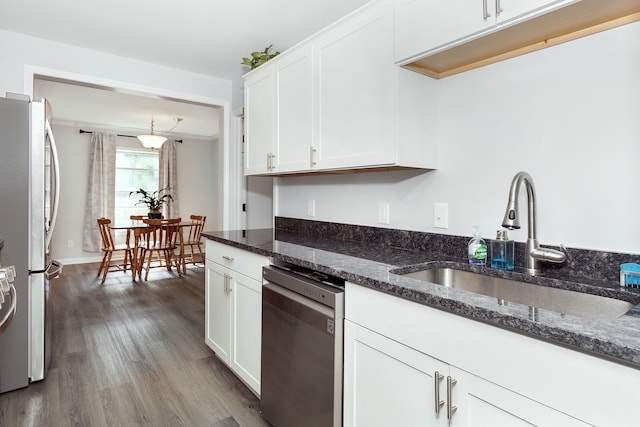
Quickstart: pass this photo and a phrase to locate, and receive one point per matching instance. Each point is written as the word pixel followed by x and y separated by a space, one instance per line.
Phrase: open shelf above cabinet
pixel 568 23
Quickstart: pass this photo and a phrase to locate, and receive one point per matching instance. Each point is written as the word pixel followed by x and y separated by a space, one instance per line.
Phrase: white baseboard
pixel 86 260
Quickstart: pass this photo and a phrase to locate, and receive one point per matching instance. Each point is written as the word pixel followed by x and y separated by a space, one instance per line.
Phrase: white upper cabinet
pixel 293 110
pixel 423 25
pixel 426 25
pixel 339 102
pixel 259 121
pixel 356 74
pixel 278 114
pixel 510 10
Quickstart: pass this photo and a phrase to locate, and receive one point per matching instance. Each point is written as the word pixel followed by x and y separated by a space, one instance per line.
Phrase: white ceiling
pixel 102 109
pixel 203 36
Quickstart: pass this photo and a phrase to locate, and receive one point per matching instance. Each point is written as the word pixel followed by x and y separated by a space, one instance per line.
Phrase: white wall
pixel 21 54
pixel 569 115
pixel 196 178
pixel 24 56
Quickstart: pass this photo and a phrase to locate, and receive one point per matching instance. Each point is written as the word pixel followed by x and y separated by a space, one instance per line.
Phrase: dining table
pixel 134 230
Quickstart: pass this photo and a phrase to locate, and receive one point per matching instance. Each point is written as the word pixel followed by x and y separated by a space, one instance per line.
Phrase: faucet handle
pixel 548 254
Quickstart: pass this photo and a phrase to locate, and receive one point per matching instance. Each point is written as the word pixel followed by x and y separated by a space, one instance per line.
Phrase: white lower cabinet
pixel 479 402
pixel 388 383
pixel 246 328
pixel 233 309
pixel 217 310
pixel 394 347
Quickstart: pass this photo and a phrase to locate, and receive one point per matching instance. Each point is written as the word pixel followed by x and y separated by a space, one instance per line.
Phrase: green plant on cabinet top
pixel 259 58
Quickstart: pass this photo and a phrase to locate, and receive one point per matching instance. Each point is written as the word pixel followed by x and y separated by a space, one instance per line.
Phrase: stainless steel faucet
pixel 533 252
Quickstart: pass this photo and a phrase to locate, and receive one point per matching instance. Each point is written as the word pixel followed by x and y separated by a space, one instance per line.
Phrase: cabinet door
pixel 246 328
pixel 524 9
pixel 483 403
pixel 294 110
pixel 423 25
pixel 258 120
pixel 389 384
pixel 217 310
pixel 356 91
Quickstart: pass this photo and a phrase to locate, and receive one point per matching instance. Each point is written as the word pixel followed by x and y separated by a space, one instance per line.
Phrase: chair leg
pixel 167 259
pixel 201 254
pixel 146 274
pixel 106 267
pixel 126 254
pixel 104 257
pixel 141 262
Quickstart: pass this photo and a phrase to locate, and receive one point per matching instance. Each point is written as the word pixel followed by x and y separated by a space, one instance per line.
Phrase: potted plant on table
pixel 154 200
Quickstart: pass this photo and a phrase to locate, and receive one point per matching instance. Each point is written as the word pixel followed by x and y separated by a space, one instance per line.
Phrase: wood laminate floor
pixel 131 354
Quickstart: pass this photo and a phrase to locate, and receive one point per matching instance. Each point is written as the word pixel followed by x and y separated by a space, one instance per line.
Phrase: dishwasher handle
pixel 297 306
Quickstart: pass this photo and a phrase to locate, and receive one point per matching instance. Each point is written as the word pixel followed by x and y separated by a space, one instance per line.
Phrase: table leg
pixel 134 262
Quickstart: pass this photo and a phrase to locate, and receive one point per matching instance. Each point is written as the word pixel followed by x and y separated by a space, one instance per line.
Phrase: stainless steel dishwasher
pixel 302 347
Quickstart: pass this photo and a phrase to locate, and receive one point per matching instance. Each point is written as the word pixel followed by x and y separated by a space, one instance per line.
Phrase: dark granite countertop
pixel 373 265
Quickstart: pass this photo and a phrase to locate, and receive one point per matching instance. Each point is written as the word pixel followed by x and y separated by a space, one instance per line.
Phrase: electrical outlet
pixel 69 243
pixel 441 215
pixel 383 213
pixel 311 207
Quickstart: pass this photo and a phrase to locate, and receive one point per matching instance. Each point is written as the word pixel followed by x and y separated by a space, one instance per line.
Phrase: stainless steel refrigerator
pixel 29 193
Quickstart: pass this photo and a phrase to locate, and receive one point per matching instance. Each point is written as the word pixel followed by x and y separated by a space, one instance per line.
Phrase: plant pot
pixel 155 215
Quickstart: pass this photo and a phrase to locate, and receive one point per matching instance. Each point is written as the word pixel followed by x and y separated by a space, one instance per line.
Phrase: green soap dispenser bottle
pixel 477 249
pixel 502 251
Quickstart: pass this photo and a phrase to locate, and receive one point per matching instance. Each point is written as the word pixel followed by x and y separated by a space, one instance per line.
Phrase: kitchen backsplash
pixel 586 264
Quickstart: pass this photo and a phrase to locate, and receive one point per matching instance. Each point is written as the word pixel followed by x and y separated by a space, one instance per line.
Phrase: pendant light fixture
pixel 152 141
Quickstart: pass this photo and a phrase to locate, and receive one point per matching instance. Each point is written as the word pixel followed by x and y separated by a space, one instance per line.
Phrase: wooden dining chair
pixel 160 237
pixel 190 243
pixel 138 219
pixel 109 248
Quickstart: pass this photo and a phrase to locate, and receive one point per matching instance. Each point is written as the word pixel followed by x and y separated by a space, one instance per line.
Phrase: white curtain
pixel 101 188
pixel 168 177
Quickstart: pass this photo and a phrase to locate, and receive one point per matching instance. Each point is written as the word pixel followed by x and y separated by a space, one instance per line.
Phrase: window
pixel 134 169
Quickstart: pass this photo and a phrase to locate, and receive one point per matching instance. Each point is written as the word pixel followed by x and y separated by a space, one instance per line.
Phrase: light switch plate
pixel 311 207
pixel 440 215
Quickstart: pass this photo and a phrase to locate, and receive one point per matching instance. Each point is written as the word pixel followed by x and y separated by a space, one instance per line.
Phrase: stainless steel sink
pixel 536 296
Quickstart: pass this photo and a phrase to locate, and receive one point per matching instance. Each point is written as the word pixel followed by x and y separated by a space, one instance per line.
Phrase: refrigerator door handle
pixel 55 185
pixel 54 271
pixel 4 322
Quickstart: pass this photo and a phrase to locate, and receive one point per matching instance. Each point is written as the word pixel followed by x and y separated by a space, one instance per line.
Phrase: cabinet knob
pixel 227 257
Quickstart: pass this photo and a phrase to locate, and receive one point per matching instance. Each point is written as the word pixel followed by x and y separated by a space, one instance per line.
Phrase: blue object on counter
pixel 502 251
pixel 630 274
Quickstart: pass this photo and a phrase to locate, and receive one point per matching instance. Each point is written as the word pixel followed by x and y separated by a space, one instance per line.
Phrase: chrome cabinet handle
pixel 485 10
pixel 227 283
pixel 498 8
pixel 450 408
pixel 227 257
pixel 312 152
pixel 437 377
pixel 271 165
